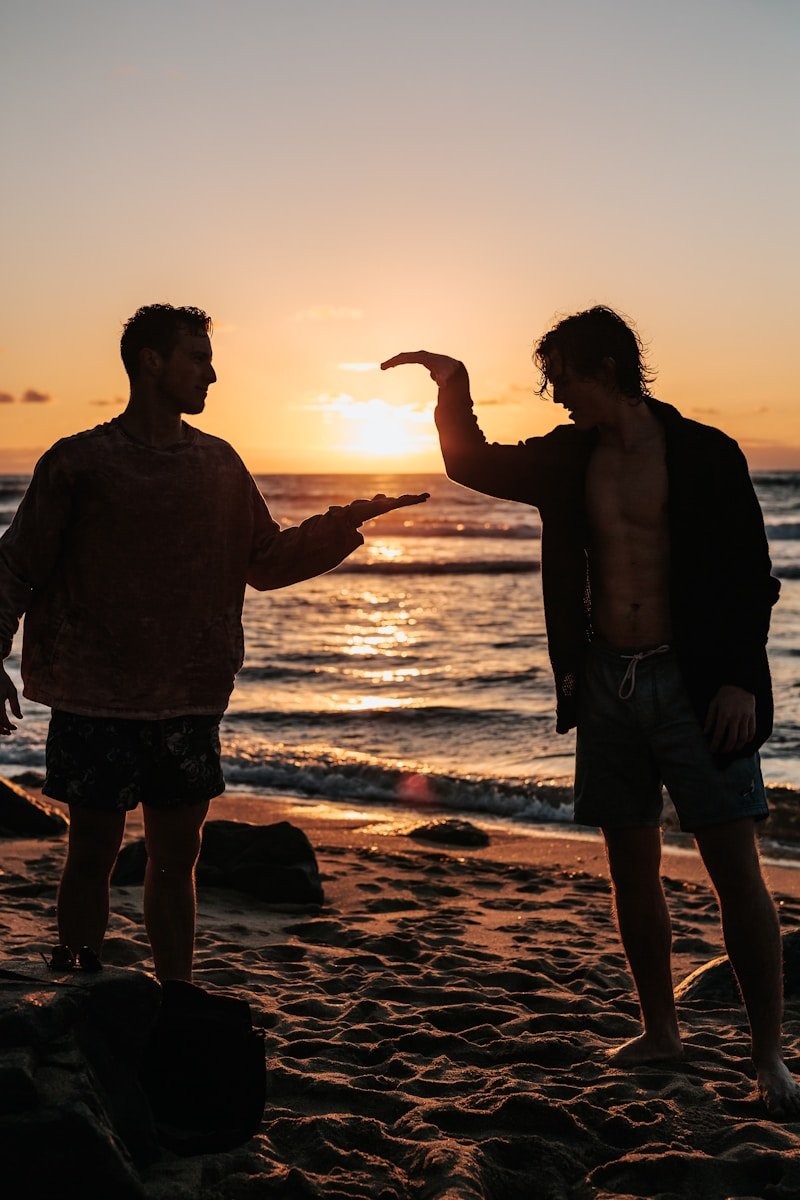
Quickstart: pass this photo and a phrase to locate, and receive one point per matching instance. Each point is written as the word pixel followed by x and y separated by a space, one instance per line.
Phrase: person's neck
pixel 631 425
pixel 147 421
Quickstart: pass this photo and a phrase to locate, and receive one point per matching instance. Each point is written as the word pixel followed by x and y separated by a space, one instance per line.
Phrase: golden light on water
pixel 393 675
pixel 369 703
pixel 384 551
pixel 378 642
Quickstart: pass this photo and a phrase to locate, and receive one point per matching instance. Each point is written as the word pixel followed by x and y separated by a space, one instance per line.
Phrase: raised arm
pixel 511 472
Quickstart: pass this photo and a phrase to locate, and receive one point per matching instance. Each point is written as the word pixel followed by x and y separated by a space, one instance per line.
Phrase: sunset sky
pixel 335 181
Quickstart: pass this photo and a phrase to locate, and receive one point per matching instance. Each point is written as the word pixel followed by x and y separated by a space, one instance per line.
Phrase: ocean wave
pixel 274 673
pixel 428 715
pixel 336 777
pixel 786 531
pixel 524 566
pixel 12 489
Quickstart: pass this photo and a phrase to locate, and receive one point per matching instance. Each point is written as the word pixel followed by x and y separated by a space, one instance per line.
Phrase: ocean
pixel 417 673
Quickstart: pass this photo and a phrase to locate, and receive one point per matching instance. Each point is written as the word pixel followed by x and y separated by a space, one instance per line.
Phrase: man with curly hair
pixel 657 591
pixel 129 556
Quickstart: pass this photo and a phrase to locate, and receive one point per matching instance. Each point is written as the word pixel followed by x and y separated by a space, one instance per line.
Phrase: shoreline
pixel 525 843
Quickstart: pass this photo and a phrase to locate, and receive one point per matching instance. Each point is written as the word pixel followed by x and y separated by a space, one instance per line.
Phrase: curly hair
pixel 157 327
pixel 586 339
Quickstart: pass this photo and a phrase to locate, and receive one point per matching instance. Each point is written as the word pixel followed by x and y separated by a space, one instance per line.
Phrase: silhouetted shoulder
pixel 562 437
pixel 76 446
pixel 217 448
pixel 693 432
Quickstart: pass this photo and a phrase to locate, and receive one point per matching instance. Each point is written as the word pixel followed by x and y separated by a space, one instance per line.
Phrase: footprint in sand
pixel 323 932
pixel 283 952
pixel 391 904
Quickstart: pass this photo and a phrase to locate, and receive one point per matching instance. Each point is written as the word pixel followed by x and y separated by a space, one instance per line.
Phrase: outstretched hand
pixel 440 366
pixel 359 511
pixel 8 695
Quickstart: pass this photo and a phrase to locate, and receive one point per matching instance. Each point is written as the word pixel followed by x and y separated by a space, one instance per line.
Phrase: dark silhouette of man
pixel 657 590
pixel 129 555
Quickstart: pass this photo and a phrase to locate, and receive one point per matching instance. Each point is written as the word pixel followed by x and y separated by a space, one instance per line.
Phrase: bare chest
pixel 627 492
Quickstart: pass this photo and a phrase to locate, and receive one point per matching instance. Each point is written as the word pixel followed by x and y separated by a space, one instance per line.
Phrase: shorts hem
pixel 632 823
pixel 92 805
pixel 759 814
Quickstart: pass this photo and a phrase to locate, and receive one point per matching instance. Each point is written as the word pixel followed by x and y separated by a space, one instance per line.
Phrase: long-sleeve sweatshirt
pixel 130 564
pixel 721 588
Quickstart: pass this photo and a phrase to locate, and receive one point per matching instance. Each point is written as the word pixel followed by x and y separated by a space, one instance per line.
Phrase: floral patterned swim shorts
pixel 111 763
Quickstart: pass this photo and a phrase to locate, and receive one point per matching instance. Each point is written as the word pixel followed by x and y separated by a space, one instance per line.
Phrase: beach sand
pixel 438 1030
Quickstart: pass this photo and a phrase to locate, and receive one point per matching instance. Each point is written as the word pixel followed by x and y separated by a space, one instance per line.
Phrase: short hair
pixel 158 327
pixel 585 339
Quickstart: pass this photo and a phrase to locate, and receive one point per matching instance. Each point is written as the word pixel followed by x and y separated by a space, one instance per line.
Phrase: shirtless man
pixel 657 591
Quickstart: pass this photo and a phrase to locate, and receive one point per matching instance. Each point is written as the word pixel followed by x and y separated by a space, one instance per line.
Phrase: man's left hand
pixel 731 719
pixel 359 511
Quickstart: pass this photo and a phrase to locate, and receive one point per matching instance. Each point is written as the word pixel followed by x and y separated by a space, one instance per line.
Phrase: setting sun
pixel 379 428
pixel 375 429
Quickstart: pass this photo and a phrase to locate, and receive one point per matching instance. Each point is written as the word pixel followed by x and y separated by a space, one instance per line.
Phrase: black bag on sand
pixel 203 1071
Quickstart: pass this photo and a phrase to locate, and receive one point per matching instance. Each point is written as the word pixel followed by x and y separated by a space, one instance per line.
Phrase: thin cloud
pixel 329 404
pixel 329 312
pixel 365 366
pixel 351 409
pixel 706 412
pixel 34 397
pixel 6 398
pixel 516 393
pixel 116 402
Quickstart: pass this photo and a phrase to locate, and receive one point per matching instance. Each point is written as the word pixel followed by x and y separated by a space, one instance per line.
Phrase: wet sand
pixel 438 1029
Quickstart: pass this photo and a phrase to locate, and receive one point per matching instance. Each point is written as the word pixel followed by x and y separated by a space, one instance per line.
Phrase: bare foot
pixel 646 1048
pixel 779 1091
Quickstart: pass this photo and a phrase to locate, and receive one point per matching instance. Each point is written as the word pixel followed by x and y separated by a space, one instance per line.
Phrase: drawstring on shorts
pixel 628 684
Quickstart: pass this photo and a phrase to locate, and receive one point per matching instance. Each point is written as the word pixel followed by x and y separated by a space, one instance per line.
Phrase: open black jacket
pixel 721 586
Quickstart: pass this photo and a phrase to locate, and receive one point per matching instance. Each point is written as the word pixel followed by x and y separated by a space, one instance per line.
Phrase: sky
pixel 335 181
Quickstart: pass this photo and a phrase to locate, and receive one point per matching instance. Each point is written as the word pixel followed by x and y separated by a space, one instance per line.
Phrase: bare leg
pixel 752 936
pixel 83 896
pixel 634 859
pixel 172 837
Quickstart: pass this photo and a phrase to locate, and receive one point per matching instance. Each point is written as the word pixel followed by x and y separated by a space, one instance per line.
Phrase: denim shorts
pixel 112 764
pixel 627 748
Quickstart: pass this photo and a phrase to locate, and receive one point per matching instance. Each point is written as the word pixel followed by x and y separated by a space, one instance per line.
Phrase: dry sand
pixel 439 1028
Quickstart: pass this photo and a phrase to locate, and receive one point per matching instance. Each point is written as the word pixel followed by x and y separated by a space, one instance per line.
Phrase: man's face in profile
pixel 584 398
pixel 187 374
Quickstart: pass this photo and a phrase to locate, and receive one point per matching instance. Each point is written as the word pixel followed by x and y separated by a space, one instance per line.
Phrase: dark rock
pixel 74 1120
pixel 276 863
pixel 715 984
pixel 22 816
pixel 28 779
pixel 453 832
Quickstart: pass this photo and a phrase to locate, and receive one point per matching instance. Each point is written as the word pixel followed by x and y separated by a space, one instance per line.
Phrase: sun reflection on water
pixel 367 703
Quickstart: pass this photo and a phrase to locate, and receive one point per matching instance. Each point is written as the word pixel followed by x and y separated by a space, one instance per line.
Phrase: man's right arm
pixel 510 472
